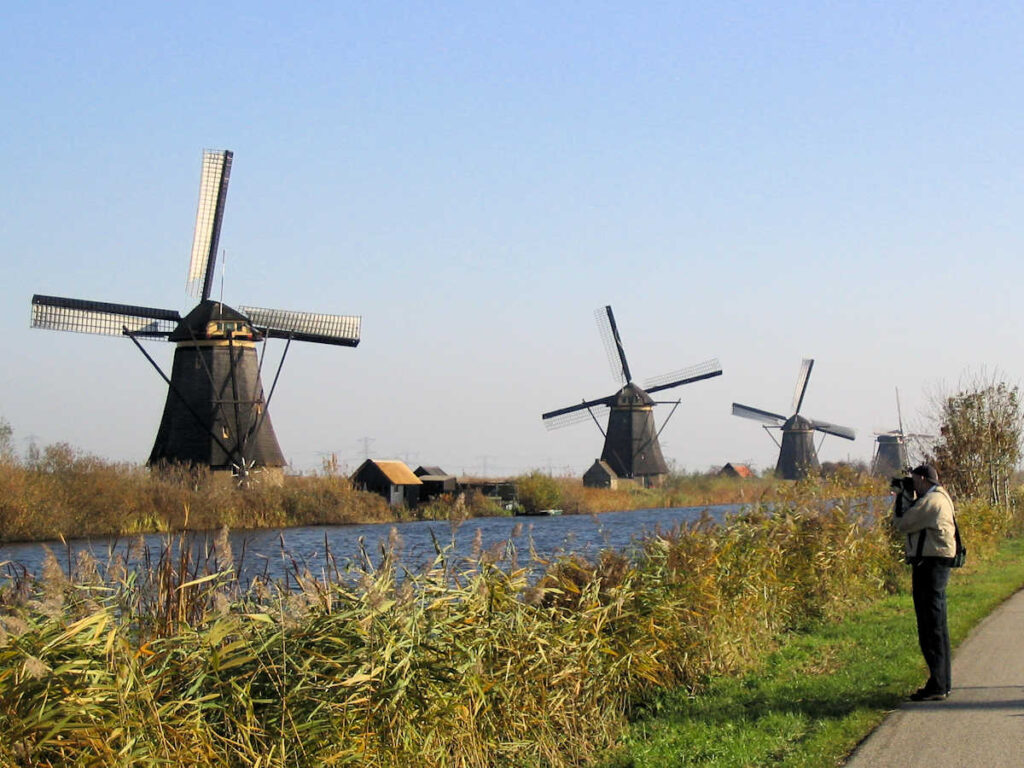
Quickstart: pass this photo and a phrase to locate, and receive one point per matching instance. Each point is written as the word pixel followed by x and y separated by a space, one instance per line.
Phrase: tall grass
pixel 468 663
pixel 62 492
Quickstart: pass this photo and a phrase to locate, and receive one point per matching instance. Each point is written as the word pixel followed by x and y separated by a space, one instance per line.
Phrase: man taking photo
pixel 924 513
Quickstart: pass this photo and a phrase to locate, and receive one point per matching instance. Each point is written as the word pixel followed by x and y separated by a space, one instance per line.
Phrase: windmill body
pixel 216 412
pixel 891 457
pixel 631 445
pixel 216 376
pixel 798 456
pixel 631 448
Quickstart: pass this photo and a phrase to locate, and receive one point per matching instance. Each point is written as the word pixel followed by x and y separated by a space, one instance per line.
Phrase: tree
pixel 6 440
pixel 979 444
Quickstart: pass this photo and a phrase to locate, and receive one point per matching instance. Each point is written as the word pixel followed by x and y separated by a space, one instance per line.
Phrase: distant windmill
pixel 216 413
pixel 631 446
pixel 797 454
pixel 891 457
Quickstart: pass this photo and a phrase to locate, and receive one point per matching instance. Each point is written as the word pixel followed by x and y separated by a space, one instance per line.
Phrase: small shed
pixel 391 479
pixel 601 475
pixel 435 482
pixel 736 470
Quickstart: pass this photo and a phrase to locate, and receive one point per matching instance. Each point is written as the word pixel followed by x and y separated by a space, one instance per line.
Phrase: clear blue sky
pixel 759 183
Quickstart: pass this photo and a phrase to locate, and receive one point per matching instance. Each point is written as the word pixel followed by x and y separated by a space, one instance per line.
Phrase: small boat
pixel 540 513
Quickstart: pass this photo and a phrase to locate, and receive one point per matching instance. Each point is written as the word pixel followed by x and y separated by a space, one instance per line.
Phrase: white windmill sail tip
pixel 306 326
pixel 213 189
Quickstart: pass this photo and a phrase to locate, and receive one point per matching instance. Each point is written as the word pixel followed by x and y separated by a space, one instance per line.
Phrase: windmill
pixel 797 454
pixel 891 457
pixel 631 446
pixel 216 413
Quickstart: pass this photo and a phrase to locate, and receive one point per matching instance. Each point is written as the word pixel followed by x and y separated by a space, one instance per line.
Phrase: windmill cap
pixel 927 471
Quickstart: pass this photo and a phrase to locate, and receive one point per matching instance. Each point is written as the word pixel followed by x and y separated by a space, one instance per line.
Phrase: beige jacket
pixel 931 517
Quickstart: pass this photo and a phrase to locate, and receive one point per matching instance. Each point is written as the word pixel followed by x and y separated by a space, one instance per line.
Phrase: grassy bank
pixel 813 700
pixel 60 492
pixel 467 664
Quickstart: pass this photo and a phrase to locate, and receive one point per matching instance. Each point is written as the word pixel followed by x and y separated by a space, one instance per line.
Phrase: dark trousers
pixel 929 589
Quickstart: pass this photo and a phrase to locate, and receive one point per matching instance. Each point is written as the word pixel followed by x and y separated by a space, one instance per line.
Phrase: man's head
pixel 924 477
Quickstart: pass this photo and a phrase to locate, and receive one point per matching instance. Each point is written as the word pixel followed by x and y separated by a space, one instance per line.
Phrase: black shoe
pixel 928 694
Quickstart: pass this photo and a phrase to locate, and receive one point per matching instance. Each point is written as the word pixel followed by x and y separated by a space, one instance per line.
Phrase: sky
pixel 759 183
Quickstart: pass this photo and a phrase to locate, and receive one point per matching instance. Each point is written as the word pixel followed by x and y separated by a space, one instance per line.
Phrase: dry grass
pixel 64 493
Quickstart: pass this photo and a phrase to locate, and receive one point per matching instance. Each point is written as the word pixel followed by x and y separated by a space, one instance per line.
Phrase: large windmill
pixel 631 446
pixel 797 455
pixel 216 412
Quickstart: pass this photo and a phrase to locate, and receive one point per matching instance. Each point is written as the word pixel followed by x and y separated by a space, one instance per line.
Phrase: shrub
pixel 538 491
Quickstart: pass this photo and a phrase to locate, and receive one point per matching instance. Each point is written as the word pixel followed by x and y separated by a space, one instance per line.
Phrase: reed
pixel 62 492
pixel 467 663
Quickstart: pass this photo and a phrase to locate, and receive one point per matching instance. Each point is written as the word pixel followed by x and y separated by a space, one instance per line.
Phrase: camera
pixel 902 483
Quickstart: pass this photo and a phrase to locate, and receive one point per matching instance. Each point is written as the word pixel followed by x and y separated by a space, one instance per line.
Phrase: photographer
pixel 924 512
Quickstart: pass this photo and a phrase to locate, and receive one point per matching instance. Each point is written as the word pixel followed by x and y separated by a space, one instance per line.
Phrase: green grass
pixel 815 698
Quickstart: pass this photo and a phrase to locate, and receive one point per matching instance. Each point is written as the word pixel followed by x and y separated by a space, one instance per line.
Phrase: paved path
pixel 980 724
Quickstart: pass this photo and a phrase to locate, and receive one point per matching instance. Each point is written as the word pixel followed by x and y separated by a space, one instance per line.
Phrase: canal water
pixel 279 553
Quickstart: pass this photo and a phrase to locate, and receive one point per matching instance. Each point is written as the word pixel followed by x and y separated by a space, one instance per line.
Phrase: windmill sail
pixel 342 330
pixel 586 404
pixel 767 417
pixel 706 370
pixel 83 316
pixel 612 344
pixel 213 193
pixel 801 384
pixel 833 429
pixel 596 410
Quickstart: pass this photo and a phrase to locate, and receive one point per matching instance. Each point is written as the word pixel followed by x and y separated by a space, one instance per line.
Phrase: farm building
pixel 435 482
pixel 391 479
pixel 736 470
pixel 600 475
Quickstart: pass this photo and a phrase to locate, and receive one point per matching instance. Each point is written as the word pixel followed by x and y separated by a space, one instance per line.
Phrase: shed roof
pixel 423 471
pixel 602 466
pixel 395 471
pixel 741 470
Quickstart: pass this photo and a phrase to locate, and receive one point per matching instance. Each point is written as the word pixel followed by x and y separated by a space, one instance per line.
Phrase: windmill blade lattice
pixel 766 417
pixel 612 345
pixel 578 416
pixel 56 313
pixel 607 401
pixel 801 384
pixel 698 372
pixel 342 330
pixel 834 429
pixel 213 193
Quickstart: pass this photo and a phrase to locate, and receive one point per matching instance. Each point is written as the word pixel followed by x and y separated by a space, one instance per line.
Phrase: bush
pixel 538 491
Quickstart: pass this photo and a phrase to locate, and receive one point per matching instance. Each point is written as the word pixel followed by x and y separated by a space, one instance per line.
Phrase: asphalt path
pixel 982 721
